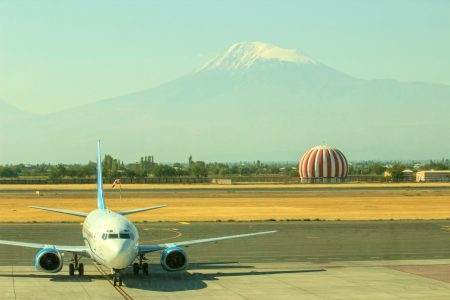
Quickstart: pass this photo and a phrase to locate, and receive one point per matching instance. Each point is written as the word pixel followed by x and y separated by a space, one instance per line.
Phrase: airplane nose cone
pixel 117 247
pixel 120 254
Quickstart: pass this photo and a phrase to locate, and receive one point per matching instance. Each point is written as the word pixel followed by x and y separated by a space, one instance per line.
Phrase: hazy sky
pixel 60 54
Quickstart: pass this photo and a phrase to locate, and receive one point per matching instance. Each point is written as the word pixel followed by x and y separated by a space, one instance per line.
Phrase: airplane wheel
pixel 136 269
pixel 115 279
pixel 145 268
pixel 120 280
pixel 71 269
pixel 81 269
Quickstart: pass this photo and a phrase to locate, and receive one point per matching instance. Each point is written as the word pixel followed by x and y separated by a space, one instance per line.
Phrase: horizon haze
pixel 265 83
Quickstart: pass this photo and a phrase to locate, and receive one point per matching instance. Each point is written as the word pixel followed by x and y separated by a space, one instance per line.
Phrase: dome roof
pixel 323 162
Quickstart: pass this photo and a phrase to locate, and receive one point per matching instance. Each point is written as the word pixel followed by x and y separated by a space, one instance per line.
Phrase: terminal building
pixel 433 176
pixel 323 164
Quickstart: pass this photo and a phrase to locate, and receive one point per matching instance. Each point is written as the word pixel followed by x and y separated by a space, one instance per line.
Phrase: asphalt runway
pixel 307 260
pixel 295 241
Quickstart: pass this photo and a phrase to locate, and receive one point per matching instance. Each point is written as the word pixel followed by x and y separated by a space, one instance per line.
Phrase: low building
pixel 408 175
pixel 433 176
pixel 221 181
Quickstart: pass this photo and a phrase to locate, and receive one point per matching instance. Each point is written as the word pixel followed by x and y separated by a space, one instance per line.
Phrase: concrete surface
pixel 305 260
pixel 343 280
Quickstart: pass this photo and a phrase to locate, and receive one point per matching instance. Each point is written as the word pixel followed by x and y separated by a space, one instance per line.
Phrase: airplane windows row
pixel 126 236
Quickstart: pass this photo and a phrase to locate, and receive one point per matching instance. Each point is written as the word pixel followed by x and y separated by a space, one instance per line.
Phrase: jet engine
pixel 48 260
pixel 174 259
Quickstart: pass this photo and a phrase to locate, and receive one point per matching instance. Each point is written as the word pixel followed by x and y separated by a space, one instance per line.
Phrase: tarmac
pixel 304 260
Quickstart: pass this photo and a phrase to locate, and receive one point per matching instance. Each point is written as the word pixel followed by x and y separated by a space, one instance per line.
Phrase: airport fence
pixel 186 180
pixel 150 180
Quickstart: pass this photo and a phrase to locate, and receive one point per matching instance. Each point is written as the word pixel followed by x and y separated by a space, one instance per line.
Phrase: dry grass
pixel 343 204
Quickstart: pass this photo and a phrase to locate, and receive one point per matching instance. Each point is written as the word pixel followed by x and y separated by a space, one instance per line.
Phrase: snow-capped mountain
pixel 256 101
pixel 241 56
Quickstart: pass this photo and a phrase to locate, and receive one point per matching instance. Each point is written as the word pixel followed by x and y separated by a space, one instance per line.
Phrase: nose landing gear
pixel 117 278
pixel 76 266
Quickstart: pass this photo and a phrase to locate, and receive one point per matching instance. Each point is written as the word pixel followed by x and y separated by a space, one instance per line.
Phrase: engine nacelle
pixel 174 259
pixel 48 260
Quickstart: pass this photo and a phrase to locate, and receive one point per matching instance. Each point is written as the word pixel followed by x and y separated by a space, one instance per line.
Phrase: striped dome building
pixel 323 164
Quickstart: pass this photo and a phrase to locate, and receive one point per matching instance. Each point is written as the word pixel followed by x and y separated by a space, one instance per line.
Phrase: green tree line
pixel 147 167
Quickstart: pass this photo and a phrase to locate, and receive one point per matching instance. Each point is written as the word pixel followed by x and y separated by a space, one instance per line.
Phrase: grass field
pixel 235 202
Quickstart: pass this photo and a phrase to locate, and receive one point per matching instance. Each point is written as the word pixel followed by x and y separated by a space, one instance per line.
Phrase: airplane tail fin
pixel 100 199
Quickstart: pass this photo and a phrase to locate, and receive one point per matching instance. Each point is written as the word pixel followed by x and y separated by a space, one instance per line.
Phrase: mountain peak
pixel 244 54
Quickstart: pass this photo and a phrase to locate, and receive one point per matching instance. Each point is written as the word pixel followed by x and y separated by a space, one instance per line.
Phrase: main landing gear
pixel 140 266
pixel 76 266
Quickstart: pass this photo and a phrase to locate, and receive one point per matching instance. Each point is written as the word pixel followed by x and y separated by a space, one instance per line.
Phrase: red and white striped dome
pixel 323 162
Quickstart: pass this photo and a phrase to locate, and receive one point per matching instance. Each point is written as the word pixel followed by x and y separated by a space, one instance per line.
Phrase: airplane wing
pixel 62 211
pixel 81 250
pixel 150 248
pixel 133 211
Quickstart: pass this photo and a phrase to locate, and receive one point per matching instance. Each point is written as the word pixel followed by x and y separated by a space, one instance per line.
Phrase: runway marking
pixel 447 228
pixel 13 282
pixel 184 223
pixel 174 230
pixel 108 278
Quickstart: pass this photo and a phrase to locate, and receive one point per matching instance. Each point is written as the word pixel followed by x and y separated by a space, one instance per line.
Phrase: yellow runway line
pixel 117 288
pixel 174 230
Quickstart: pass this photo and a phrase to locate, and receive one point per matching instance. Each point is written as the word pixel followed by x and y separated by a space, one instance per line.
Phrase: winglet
pixel 100 199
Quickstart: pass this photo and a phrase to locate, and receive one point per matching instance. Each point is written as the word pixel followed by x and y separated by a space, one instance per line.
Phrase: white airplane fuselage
pixel 112 238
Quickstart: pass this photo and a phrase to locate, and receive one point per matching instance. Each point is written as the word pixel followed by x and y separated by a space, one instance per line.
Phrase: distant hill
pixel 256 101
pixel 10 116
pixel 8 111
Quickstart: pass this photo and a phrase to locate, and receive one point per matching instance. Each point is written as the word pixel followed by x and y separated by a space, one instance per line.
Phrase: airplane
pixel 113 241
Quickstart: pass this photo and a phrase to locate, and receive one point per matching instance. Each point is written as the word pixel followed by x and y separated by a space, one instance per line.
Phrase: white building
pixel 433 176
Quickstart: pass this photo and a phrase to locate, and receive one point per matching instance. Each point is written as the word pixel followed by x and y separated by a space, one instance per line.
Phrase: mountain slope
pixel 256 101
pixel 8 111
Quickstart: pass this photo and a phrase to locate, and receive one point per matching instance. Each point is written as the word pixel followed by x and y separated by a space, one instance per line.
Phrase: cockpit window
pixel 124 235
